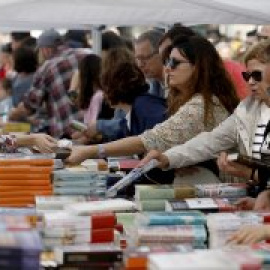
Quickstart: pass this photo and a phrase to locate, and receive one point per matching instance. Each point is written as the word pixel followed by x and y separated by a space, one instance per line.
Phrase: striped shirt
pixel 259 132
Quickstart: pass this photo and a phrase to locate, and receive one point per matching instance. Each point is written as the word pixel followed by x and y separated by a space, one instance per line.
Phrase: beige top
pixel 185 124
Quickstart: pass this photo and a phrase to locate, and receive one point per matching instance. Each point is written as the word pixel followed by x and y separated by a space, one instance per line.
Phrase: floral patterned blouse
pixel 185 124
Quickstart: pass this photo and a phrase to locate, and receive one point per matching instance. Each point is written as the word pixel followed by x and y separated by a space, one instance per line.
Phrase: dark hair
pixel 89 74
pixel 6 48
pixel 177 30
pixel 111 40
pixel 19 36
pixel 25 60
pixel 76 38
pixel 209 78
pixel 122 80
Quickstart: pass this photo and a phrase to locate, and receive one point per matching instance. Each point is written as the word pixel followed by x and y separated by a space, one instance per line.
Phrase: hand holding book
pixel 231 165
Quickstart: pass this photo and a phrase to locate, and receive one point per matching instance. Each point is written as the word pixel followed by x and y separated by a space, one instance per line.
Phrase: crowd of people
pixel 167 95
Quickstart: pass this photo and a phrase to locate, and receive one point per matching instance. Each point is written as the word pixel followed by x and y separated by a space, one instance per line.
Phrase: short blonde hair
pixel 259 51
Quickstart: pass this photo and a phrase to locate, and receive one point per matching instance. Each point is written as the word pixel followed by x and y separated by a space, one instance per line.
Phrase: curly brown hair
pixel 209 77
pixel 121 78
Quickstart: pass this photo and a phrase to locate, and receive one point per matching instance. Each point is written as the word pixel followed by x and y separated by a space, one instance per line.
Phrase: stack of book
pixel 205 205
pixel 95 256
pixel 28 213
pixel 57 202
pixel 23 179
pixel 223 190
pixel 137 257
pixel 222 225
pixel 171 228
pixel 62 228
pixel 66 182
pixel 125 164
pixel 20 245
pixel 205 259
pixel 101 206
pixel 153 198
pixel 95 165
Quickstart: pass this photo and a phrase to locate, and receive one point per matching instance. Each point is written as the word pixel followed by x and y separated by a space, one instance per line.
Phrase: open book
pixel 131 177
pixel 248 161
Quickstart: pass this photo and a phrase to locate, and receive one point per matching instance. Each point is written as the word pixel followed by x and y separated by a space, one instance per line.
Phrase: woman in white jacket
pixel 244 130
pixel 237 131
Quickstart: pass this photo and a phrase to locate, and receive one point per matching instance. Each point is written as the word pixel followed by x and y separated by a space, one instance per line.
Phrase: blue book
pixel 174 218
pixel 20 243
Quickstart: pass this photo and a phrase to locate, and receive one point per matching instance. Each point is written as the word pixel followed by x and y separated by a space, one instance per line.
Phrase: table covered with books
pixel 58 217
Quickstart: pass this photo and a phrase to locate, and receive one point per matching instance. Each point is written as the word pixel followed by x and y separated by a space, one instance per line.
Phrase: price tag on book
pixel 202 203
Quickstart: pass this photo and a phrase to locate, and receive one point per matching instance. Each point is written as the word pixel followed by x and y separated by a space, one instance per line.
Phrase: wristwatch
pixel 101 151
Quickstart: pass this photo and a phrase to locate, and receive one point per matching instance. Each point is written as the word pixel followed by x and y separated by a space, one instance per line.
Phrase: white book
pixel 109 205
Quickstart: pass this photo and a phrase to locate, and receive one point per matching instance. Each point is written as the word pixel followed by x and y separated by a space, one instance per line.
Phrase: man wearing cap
pixel 50 86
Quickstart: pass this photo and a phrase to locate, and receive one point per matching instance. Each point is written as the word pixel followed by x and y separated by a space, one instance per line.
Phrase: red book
pixel 96 221
pixel 103 220
pixel 102 236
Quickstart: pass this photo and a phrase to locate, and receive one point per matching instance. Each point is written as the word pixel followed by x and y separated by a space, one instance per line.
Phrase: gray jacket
pixel 237 131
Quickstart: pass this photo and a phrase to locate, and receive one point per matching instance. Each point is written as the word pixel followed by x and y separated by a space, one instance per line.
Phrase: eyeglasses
pixel 172 63
pixel 256 75
pixel 145 58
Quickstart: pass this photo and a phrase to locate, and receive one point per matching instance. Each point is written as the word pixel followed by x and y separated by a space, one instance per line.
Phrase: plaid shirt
pixel 7 144
pixel 50 85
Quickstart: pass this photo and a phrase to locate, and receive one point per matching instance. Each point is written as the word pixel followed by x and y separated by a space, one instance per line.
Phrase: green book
pixel 165 192
pixel 151 205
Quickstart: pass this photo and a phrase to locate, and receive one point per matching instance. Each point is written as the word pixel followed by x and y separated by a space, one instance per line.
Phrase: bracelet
pixel 252 174
pixel 101 151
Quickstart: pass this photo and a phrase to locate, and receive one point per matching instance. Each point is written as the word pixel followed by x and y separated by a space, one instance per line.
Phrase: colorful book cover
pixel 172 218
pixel 224 190
pixel 88 253
pixel 62 219
pixel 202 204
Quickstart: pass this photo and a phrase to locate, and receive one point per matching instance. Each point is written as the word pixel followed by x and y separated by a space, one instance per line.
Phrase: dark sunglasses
pixel 173 63
pixel 256 75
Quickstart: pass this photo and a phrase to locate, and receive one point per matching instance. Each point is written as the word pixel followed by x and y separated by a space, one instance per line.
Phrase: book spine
pixel 36 176
pixel 17 200
pixel 24 170
pixel 23 193
pixel 27 162
pixel 151 205
pixel 176 220
pixel 96 221
pixel 174 234
pixel 221 192
pixel 184 192
pixel 19 182
pixel 79 191
pixel 93 257
pixel 79 237
pixel 152 193
pixel 26 187
pixel 87 266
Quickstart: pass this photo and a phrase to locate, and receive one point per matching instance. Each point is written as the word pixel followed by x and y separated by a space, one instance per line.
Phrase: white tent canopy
pixel 82 14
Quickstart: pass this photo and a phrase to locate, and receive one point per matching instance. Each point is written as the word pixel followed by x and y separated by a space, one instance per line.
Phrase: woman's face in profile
pixel 178 69
pixel 258 80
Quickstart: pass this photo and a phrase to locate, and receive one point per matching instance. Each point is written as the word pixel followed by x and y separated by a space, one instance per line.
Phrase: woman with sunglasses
pixel 201 96
pixel 246 129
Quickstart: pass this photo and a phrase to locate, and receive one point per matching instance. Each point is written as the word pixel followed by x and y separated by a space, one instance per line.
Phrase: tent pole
pixel 96 35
